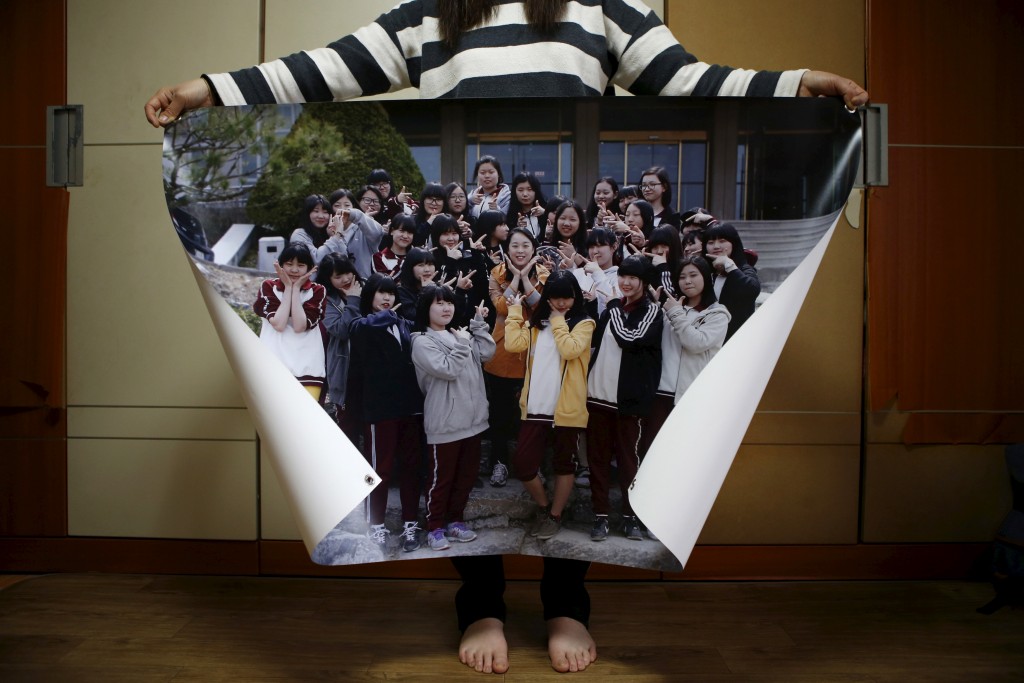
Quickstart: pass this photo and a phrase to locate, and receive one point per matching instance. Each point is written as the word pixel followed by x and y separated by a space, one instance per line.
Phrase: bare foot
pixel 570 646
pixel 483 646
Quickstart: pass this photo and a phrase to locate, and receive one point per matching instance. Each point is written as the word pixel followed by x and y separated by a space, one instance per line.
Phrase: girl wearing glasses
pixel 431 206
pixel 656 189
pixel 360 233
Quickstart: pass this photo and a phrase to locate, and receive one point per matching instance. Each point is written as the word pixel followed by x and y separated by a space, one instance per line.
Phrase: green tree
pixel 329 147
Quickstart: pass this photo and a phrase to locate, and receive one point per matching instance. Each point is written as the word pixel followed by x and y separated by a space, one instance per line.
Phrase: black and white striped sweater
pixel 598 42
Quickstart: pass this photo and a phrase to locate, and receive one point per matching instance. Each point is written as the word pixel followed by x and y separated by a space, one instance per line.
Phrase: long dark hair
pixel 455 17
pixel 707 297
pixel 375 283
pixel 514 207
pixel 331 265
pixel 428 296
pixel 646 215
pixel 668 236
pixel 442 223
pixel 727 231
pixel 592 207
pixel 487 223
pixel 338 194
pixel 561 284
pixel 430 190
pixel 666 195
pixel 379 175
pixel 416 256
pixel 318 235
pixel 579 238
pixel 603 237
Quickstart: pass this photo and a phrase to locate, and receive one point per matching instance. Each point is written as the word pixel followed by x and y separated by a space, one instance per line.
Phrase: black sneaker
pixel 600 530
pixel 548 527
pixel 499 475
pixel 631 529
pixel 411 537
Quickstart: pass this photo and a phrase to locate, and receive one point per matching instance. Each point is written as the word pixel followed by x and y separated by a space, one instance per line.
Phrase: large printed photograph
pixel 500 302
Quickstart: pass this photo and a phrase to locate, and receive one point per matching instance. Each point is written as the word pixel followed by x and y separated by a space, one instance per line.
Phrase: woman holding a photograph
pixel 372 61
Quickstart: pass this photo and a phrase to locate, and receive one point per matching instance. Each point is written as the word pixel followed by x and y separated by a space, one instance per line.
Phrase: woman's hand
pixel 669 303
pixel 723 263
pixel 514 299
pixel 282 275
pixel 516 273
pixel 656 259
pixel 536 210
pixel 567 250
pixel 462 333
pixel 354 289
pixel 825 84
pixel 453 252
pixel 304 278
pixel 170 102
pixel 465 229
pixel 481 311
pixel 466 281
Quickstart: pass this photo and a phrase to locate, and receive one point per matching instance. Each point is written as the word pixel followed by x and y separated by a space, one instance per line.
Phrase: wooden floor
pixel 109 627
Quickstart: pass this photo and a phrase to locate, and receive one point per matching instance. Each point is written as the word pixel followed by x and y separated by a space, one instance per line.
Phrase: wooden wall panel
pixel 34 227
pixel 773 34
pixel 946 69
pixel 943 334
pixel 32 45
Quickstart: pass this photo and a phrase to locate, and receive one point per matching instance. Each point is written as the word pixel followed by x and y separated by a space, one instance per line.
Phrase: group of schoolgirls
pixel 560 360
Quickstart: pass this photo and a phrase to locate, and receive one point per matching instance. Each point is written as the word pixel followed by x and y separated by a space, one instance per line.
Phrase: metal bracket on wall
pixel 874 167
pixel 64 145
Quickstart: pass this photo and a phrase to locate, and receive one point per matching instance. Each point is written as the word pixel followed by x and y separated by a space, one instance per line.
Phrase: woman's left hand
pixel 825 84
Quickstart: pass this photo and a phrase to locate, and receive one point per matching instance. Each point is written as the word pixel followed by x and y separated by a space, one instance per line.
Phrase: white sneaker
pixel 379 534
pixel 410 537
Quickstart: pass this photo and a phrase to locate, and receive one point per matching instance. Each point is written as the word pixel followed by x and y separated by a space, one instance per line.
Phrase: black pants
pixel 483 589
pixel 503 419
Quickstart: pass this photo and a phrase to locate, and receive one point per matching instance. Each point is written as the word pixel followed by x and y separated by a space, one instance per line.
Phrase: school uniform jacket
pixel 739 294
pixel 573 344
pixel 638 335
pixel 382 381
pixel 339 314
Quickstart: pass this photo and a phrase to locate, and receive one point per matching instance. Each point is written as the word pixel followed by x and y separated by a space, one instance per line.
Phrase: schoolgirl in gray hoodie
pixel 448 368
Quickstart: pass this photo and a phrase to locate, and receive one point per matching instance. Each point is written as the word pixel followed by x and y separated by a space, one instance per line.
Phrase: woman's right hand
pixel 170 102
pixel 282 275
pixel 354 289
